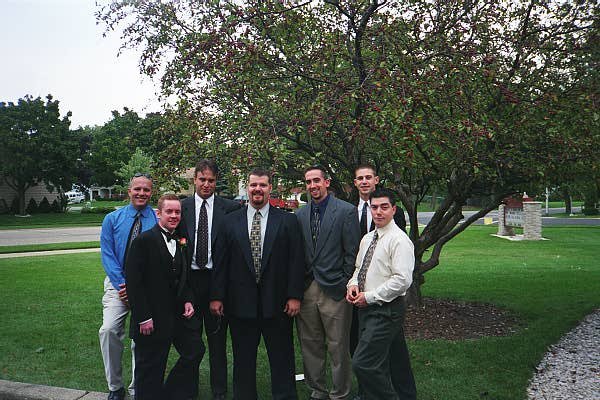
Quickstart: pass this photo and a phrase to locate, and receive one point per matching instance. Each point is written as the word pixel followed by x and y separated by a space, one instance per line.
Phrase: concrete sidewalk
pixel 27 391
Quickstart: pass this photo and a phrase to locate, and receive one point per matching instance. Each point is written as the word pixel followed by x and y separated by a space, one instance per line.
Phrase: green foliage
pixel 32 206
pixel 58 205
pixel 44 206
pixel 138 163
pixel 465 98
pixel 37 146
pixel 113 144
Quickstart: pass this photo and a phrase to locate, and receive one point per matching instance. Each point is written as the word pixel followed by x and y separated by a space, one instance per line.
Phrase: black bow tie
pixel 169 236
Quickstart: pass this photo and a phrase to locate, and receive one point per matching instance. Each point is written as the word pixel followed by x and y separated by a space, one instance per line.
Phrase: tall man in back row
pixel 331 236
pixel 203 217
pixel 383 274
pixel 119 229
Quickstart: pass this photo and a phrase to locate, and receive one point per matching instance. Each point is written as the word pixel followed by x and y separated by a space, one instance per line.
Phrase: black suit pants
pixel 215 328
pixel 151 361
pixel 277 335
pixel 381 362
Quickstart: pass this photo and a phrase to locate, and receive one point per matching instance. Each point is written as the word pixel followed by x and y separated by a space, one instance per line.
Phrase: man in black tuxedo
pixel 162 312
pixel 203 216
pixel 259 285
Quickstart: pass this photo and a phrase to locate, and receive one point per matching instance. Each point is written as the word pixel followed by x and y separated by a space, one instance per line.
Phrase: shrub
pixel 590 210
pixel 4 208
pixel 44 206
pixel 56 207
pixel 32 207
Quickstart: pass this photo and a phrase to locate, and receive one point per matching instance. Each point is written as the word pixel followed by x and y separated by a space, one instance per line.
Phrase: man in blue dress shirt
pixel 119 228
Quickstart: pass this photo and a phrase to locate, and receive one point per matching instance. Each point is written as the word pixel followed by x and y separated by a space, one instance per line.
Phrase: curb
pixel 26 391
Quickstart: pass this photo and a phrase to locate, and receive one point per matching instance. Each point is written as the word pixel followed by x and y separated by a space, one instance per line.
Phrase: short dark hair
pixel 317 167
pixel 365 166
pixel 383 192
pixel 205 164
pixel 166 197
pixel 260 172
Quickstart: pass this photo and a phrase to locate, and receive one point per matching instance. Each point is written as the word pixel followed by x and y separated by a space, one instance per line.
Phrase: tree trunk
pixel 568 203
pixel 413 294
pixel 21 195
pixel 434 200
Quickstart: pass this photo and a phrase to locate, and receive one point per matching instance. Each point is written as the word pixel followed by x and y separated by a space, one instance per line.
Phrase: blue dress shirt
pixel 113 239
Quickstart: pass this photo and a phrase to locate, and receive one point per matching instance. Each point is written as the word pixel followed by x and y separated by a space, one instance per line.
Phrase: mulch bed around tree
pixel 454 320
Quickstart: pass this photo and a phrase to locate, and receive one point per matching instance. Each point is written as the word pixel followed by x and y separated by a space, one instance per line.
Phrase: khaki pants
pixel 112 335
pixel 324 328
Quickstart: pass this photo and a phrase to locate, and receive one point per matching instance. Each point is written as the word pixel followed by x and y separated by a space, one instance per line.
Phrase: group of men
pixel 207 263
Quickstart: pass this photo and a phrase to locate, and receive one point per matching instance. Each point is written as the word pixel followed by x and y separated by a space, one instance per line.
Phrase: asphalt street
pixel 14 237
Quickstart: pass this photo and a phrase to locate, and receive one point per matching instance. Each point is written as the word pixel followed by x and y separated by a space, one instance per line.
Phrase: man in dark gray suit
pixel 202 222
pixel 331 236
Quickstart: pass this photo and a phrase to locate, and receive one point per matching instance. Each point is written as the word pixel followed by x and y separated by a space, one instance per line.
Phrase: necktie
pixel 363 219
pixel 136 228
pixel 202 237
pixel 315 224
pixel 255 243
pixel 134 232
pixel 362 274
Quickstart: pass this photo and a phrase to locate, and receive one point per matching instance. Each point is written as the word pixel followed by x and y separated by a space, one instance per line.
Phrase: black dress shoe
pixel 117 394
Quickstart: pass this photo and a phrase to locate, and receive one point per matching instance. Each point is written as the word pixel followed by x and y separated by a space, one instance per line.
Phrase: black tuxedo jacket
pixel 188 221
pixel 153 290
pixel 282 270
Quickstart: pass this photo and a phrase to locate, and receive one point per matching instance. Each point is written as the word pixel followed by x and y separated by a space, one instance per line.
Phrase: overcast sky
pixel 55 46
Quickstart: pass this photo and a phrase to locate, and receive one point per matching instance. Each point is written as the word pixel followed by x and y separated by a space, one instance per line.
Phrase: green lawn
pixel 51 220
pixel 48 246
pixel 559 204
pixel 51 312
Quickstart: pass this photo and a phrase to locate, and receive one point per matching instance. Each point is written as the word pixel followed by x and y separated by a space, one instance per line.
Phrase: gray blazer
pixel 331 263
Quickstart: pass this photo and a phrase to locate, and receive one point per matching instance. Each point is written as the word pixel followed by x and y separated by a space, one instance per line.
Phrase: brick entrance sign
pixel 525 213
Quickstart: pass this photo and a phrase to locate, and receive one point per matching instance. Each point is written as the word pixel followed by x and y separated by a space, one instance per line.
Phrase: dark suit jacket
pixel 188 221
pixel 331 263
pixel 151 288
pixel 282 270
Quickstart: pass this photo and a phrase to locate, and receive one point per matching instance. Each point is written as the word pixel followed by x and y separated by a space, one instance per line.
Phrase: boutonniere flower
pixel 182 242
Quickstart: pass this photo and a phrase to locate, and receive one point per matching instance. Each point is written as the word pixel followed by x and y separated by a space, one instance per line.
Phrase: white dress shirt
pixel 264 212
pixel 369 215
pixel 210 203
pixel 390 272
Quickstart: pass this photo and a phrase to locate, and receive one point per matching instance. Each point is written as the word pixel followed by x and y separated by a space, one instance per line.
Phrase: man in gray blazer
pixel 331 237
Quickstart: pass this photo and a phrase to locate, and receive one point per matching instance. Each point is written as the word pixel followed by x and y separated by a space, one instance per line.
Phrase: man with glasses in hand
pixel 119 229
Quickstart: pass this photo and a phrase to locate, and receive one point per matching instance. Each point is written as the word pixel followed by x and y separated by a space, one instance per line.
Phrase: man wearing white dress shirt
pixel 203 216
pixel 383 274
